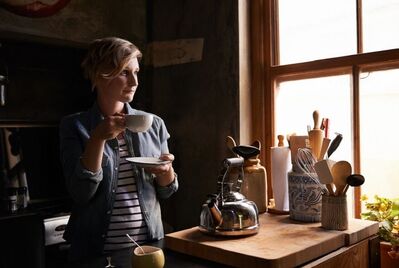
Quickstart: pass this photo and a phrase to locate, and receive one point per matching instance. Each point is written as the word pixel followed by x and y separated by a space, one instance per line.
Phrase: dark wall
pixel 44 82
pixel 199 101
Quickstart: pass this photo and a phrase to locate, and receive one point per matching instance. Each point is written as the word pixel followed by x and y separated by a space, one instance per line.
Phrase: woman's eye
pixel 125 72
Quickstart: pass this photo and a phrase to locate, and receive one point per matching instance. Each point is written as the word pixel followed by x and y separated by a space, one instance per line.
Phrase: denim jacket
pixel 93 193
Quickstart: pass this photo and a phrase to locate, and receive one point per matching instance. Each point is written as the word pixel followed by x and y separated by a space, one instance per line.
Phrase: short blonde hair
pixel 107 57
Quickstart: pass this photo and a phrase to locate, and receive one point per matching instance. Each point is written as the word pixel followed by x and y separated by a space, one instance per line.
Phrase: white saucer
pixel 147 161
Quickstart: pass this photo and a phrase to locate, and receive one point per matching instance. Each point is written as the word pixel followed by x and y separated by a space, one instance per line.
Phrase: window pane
pixel 296 101
pixel 380 25
pixel 314 29
pixel 379 109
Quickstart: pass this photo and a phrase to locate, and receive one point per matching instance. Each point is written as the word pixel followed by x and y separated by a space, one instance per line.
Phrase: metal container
pixel 228 212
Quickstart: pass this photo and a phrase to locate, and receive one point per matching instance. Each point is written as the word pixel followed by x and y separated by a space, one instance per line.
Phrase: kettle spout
pixel 215 212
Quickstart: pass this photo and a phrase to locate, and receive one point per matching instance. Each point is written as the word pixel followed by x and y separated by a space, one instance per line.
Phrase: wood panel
pixel 355 256
pixel 280 242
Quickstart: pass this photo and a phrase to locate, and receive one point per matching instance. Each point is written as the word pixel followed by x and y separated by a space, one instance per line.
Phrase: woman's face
pixel 120 88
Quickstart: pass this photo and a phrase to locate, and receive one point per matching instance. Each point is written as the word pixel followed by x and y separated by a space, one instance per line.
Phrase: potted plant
pixel 386 212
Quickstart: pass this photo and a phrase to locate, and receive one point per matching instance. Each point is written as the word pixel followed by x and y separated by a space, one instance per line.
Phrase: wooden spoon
pixel 323 170
pixel 340 171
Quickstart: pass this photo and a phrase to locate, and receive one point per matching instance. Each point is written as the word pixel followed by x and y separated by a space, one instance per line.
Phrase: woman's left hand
pixel 164 173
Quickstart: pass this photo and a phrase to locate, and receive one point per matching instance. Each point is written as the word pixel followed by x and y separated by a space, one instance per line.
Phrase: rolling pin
pixel 316 136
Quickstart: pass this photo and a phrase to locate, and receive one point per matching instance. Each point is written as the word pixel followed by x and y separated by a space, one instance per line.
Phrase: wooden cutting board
pixel 280 242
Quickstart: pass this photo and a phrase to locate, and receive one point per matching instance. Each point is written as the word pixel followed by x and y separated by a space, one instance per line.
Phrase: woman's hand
pixel 164 173
pixel 110 127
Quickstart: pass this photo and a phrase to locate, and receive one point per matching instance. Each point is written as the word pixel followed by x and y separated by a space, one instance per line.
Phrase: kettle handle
pixel 233 162
pixel 228 163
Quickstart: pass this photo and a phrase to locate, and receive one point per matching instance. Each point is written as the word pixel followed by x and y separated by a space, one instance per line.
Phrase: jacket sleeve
pixel 165 191
pixel 81 183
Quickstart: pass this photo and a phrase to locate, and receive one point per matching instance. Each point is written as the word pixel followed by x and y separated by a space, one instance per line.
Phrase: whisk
pixel 305 162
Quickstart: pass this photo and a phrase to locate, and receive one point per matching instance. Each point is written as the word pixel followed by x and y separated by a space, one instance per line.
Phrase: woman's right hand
pixel 110 127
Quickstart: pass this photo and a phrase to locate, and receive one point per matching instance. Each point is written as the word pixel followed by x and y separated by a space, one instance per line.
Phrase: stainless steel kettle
pixel 228 212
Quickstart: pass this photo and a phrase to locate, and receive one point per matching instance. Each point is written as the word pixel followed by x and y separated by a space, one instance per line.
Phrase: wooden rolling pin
pixel 316 136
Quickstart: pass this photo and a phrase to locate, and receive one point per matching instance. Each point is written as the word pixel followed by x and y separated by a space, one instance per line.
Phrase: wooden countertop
pixel 280 242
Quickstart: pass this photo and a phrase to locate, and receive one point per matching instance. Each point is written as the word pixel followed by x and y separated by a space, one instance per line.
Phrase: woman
pixel 111 196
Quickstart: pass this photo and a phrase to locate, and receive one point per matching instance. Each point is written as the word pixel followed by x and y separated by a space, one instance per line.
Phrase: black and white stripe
pixel 126 217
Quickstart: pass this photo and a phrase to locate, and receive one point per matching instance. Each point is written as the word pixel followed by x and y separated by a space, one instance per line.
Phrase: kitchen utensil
pixel 316 136
pixel 340 171
pixel 353 180
pixel 231 143
pixel 228 212
pixel 296 142
pixel 323 170
pixel 134 241
pixel 246 151
pixel 334 144
pixel 305 160
pixel 324 146
pixel 280 140
pixel 256 144
pixel 325 126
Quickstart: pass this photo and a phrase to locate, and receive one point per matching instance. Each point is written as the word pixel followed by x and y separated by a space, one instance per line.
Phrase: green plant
pixel 386 212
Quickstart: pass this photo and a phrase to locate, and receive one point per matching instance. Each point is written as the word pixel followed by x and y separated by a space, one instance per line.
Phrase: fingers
pixel 110 127
pixel 169 157
pixel 162 169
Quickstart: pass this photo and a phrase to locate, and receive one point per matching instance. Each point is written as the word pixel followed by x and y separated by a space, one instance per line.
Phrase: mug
pixel 138 122
pixel 152 257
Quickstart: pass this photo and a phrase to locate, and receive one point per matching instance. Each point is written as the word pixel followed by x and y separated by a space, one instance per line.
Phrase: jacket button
pixel 109 212
pixel 116 168
pixel 103 236
pixel 113 190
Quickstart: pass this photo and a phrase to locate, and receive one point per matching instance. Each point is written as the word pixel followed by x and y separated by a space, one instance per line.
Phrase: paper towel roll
pixel 281 164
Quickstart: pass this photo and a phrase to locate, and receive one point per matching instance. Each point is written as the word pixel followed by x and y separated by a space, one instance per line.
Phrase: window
pixel 314 29
pixel 342 58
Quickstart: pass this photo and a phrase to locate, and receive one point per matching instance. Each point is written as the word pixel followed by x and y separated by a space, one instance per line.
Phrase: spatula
pixel 340 171
pixel 323 170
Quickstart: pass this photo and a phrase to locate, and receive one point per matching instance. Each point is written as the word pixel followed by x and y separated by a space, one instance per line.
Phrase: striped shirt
pixel 126 217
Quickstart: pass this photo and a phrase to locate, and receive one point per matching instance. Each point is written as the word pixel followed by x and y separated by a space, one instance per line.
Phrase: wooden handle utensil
pixel 316 136
pixel 341 171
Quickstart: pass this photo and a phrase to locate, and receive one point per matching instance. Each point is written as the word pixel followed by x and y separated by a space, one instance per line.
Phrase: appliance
pixel 54 229
pixel 228 212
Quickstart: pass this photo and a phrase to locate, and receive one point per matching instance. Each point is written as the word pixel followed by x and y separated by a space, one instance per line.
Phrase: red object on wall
pixel 34 8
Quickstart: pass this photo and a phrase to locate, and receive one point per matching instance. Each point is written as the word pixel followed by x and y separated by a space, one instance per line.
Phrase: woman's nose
pixel 133 80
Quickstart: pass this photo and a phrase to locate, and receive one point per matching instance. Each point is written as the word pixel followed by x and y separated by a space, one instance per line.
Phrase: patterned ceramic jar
pixel 305 194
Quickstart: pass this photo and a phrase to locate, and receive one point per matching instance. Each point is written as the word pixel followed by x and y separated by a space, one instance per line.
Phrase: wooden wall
pixel 199 100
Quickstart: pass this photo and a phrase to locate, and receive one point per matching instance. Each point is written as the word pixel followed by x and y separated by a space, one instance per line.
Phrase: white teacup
pixel 152 257
pixel 138 122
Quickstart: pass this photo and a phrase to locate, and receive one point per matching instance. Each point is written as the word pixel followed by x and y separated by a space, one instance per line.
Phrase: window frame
pixel 266 74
